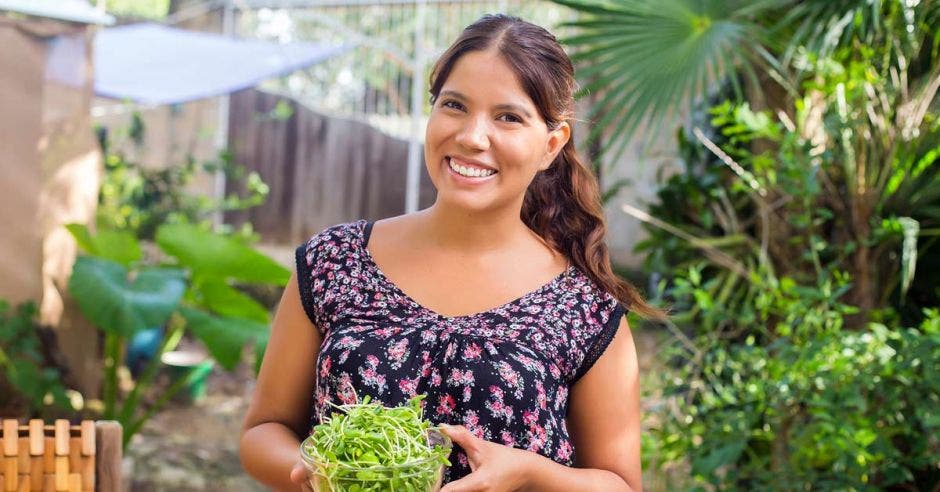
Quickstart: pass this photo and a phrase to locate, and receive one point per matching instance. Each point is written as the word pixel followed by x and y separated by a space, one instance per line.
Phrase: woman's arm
pixel 604 423
pixel 277 416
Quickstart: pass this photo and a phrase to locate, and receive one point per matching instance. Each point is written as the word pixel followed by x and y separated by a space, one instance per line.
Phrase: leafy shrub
pixel 29 384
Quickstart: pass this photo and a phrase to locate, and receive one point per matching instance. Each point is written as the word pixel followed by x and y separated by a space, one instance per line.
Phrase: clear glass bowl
pixel 416 476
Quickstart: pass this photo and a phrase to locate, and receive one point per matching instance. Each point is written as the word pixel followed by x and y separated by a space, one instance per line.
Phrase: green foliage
pixel 137 199
pixel 828 409
pixel 368 447
pixel 28 380
pixel 800 244
pixel 190 289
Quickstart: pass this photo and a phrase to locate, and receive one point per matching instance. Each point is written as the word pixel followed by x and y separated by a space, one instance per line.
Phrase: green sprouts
pixel 369 447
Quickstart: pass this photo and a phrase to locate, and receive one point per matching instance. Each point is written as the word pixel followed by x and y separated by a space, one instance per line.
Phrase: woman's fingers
pixel 299 473
pixel 470 483
pixel 460 435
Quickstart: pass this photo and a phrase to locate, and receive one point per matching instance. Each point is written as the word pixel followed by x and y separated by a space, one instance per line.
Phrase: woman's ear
pixel 557 139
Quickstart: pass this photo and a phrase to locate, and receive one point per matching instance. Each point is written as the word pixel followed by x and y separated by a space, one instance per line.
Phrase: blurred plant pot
pixel 193 369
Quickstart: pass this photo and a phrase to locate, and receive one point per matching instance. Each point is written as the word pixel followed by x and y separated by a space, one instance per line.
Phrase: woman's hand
pixel 494 467
pixel 299 476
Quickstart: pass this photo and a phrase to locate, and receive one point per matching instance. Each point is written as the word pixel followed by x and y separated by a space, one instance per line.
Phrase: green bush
pixel 30 384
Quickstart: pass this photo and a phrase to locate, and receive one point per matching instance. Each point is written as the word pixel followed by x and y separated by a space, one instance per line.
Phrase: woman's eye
pixel 510 118
pixel 452 105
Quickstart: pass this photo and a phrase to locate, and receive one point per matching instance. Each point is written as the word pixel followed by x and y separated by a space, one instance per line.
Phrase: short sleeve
pixel 305 257
pixel 320 262
pixel 600 327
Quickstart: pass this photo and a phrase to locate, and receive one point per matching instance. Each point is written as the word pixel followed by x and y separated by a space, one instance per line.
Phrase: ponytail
pixel 563 206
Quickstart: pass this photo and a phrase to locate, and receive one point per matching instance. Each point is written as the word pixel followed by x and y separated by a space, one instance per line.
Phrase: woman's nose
pixel 474 134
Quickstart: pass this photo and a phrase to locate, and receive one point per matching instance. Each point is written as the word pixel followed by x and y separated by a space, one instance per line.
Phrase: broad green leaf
pixel 117 302
pixel 219 297
pixel 225 337
pixel 118 246
pixel 213 255
pixel 83 238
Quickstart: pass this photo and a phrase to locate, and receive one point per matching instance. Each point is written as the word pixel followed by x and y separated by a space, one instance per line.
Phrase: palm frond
pixel 649 60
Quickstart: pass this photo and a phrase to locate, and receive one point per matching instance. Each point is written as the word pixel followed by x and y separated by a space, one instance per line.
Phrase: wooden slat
pixel 36 473
pixel 61 472
pixel 23 455
pixel 75 454
pixel 48 483
pixel 48 456
pixel 75 482
pixel 10 433
pixel 36 438
pixel 88 473
pixel 24 484
pixel 108 460
pixel 88 438
pixel 10 472
pixel 61 439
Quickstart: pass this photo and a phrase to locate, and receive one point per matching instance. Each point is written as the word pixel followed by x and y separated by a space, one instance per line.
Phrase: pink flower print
pixel 472 422
pixel 561 396
pixel 564 452
pixel 425 364
pixel 345 391
pixel 343 356
pixel 325 366
pixel 458 377
pixel 371 377
pixel 409 387
pixel 462 458
pixel 510 377
pixel 472 351
pixel 497 392
pixel 467 393
pixel 450 351
pixel 537 438
pixel 435 377
pixel 507 438
pixel 445 405
pixel 554 371
pixel 428 336
pixel 529 418
pixel 540 397
pixel 397 352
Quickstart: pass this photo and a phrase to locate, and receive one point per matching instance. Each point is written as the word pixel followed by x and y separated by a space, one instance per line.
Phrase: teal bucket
pixel 194 368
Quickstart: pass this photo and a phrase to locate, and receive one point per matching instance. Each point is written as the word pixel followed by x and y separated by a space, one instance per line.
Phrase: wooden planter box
pixel 60 457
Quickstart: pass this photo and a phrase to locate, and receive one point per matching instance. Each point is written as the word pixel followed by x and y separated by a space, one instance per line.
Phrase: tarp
pixel 67 10
pixel 154 64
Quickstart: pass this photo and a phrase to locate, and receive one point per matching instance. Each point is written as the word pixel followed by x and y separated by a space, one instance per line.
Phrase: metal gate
pixel 395 43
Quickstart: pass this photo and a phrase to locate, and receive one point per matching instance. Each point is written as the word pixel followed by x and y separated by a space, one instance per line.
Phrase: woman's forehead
pixel 485 77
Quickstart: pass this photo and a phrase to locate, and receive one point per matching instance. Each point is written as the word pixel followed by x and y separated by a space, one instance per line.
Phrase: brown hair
pixel 562 204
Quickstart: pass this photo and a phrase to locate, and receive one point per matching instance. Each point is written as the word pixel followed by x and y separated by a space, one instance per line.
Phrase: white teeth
pixel 470 172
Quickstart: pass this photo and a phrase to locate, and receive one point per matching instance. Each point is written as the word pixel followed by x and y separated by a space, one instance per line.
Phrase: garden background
pixel 770 175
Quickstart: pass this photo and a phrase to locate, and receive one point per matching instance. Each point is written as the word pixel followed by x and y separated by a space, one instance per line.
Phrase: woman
pixel 541 391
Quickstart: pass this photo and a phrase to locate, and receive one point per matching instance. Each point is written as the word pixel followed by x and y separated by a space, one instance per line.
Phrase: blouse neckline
pixel 370 261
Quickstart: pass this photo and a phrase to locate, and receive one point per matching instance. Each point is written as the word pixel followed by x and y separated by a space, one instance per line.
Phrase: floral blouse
pixel 505 374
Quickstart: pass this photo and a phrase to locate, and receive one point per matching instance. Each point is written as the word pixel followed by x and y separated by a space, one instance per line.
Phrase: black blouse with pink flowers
pixel 504 373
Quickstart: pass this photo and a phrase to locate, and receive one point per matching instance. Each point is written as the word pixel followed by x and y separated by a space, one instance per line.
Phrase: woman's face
pixel 485 139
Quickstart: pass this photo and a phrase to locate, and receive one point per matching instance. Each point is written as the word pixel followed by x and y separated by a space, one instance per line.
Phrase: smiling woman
pixel 497 303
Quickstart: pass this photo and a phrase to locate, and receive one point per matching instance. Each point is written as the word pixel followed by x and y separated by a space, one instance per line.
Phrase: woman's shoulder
pixel 337 233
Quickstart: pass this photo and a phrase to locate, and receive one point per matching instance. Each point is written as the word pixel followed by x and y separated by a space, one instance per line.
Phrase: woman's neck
pixel 472 234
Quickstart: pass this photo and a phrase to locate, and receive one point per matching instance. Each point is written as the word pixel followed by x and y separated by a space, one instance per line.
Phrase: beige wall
pixel 51 169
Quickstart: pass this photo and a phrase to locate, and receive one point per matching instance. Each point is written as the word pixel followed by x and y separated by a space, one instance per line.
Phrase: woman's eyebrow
pixel 499 107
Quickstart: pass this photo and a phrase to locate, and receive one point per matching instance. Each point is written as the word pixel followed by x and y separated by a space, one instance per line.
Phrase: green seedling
pixel 369 447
